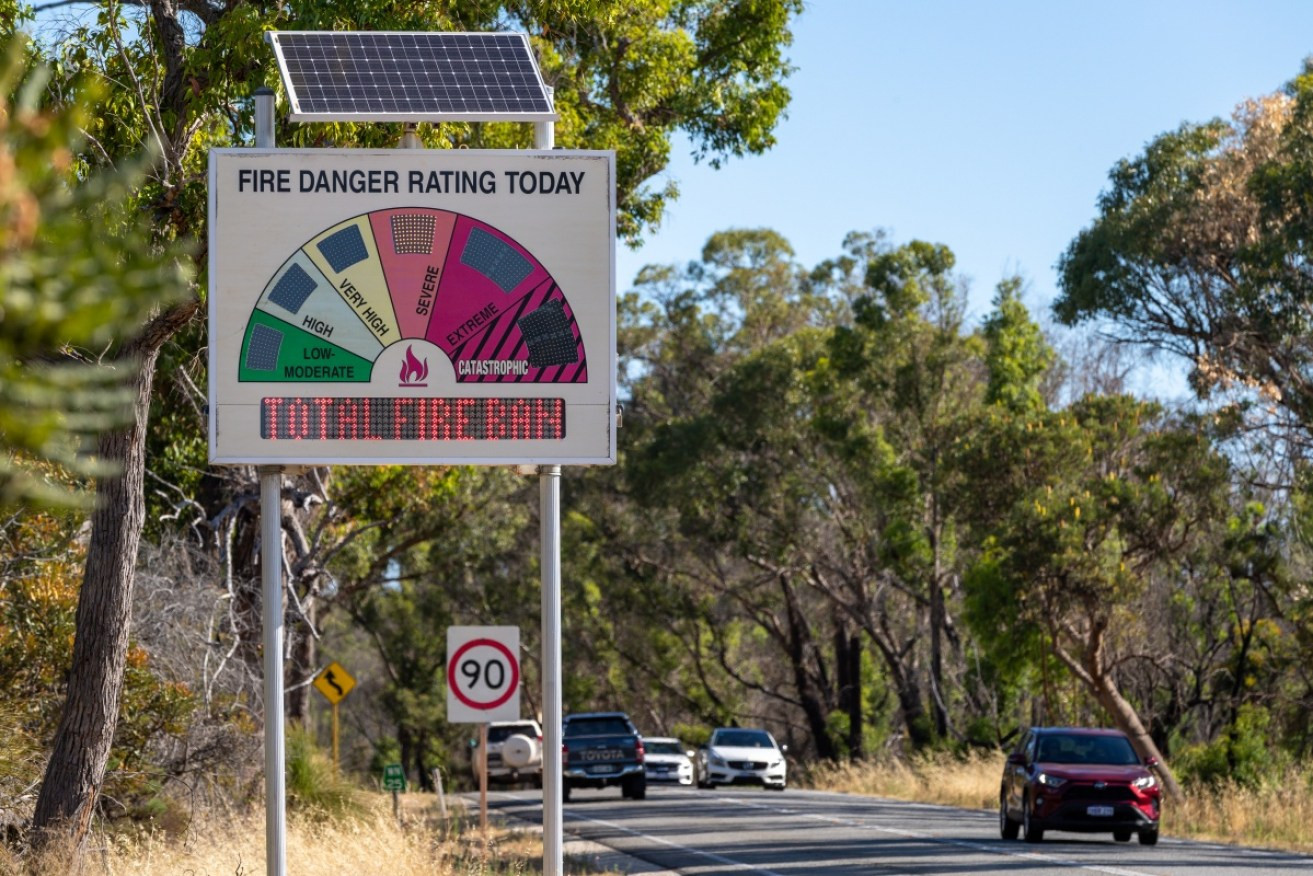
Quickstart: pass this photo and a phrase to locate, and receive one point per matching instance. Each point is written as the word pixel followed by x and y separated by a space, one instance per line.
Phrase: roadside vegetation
pixel 843 510
pixel 1275 813
pixel 373 843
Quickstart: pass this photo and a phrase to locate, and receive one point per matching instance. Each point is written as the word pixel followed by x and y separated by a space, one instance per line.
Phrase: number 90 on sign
pixel 483 678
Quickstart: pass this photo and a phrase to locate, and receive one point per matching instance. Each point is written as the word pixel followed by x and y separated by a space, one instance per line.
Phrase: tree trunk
pixel 1128 721
pixel 81 748
pixel 848 663
pixel 1092 671
pixel 910 703
pixel 799 647
pixel 86 728
pixel 301 666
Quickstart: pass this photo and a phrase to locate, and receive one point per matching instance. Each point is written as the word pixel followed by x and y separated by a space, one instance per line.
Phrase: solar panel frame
pixel 409 76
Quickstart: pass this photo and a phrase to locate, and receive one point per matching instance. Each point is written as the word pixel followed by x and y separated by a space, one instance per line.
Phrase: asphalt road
pixel 752 831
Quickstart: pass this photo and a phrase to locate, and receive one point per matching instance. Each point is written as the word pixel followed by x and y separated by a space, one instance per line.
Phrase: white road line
pixel 719 859
pixel 978 847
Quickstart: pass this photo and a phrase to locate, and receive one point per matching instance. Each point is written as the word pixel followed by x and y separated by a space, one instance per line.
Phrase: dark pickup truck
pixel 600 750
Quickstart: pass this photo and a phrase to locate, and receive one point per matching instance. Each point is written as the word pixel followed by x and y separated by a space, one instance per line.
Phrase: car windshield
pixel 596 727
pixel 743 739
pixel 1075 749
pixel 663 748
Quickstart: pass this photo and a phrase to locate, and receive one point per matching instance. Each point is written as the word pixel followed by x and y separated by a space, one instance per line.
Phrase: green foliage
pixel 1242 755
pixel 76 270
pixel 39 582
pixel 1017 355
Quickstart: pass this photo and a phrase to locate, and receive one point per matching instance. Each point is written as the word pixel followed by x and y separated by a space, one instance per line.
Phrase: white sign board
pixel 412 306
pixel 483 674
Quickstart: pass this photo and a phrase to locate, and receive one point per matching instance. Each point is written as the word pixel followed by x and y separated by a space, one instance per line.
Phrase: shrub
pixel 315 788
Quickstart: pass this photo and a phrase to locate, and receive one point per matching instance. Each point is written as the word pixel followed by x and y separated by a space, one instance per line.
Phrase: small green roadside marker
pixel 394 778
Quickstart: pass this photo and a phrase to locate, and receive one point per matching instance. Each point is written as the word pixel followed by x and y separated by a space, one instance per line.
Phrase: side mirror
pixel 784 749
pixel 1151 762
pixel 690 753
pixel 1016 759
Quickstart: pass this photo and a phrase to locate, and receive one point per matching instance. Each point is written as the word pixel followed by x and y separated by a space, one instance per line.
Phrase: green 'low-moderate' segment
pixel 274 351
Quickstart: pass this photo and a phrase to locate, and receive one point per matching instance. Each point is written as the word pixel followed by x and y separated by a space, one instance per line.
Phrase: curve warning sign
pixel 412 306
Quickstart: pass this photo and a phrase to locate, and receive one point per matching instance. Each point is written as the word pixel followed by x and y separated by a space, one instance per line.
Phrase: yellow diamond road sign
pixel 334 682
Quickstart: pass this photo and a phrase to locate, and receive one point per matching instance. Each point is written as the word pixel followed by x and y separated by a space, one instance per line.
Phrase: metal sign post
pixel 549 490
pixel 271 572
pixel 483 779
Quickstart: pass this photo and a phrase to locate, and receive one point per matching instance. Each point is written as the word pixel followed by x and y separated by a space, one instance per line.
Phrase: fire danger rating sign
pixel 483 674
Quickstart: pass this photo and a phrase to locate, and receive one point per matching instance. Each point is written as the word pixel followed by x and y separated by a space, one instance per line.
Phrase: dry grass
pixel 1273 817
pixel 375 845
pixel 970 781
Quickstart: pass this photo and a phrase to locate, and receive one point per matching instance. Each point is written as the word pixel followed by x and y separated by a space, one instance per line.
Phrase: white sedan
pixel 666 760
pixel 741 756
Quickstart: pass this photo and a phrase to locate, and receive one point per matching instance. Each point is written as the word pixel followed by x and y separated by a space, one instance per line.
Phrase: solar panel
pixel 292 290
pixel 546 332
pixel 495 259
pixel 344 248
pixel 393 76
pixel 262 353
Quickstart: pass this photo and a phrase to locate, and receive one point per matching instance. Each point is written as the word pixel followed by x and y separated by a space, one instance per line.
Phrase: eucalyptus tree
pixel 1097 499
pixel 179 75
pixel 724 464
pixel 1201 249
pixel 898 385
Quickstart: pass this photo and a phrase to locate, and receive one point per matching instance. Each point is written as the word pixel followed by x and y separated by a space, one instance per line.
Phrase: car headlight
pixel 775 763
pixel 1051 781
pixel 715 760
pixel 1144 783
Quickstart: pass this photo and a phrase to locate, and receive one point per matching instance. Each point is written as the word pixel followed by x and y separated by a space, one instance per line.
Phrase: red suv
pixel 1084 780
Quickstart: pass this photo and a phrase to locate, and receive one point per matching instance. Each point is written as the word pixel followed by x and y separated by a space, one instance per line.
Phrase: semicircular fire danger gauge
pixel 413 274
pixel 423 325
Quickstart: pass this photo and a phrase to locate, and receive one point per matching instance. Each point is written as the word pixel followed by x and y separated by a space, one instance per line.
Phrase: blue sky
pixel 989 127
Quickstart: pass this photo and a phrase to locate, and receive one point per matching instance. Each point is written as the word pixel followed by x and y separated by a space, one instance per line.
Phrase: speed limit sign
pixel 483 674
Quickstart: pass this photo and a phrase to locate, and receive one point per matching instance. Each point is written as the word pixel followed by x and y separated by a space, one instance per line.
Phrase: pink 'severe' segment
pixel 412 245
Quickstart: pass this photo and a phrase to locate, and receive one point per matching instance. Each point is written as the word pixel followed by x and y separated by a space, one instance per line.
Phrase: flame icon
pixel 414 370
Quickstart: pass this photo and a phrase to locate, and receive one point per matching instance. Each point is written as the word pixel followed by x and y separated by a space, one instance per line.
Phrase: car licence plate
pixel 1102 811
pixel 602 768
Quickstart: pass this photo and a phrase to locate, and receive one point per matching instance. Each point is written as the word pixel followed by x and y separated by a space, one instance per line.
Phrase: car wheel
pixel 1121 836
pixel 1149 837
pixel 1031 831
pixel 1009 828
pixel 780 787
pixel 634 788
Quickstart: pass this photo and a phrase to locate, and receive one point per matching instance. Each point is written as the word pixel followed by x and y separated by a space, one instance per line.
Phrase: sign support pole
pixel 271 571
pixel 549 484
pixel 549 492
pixel 483 779
pixel 337 762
